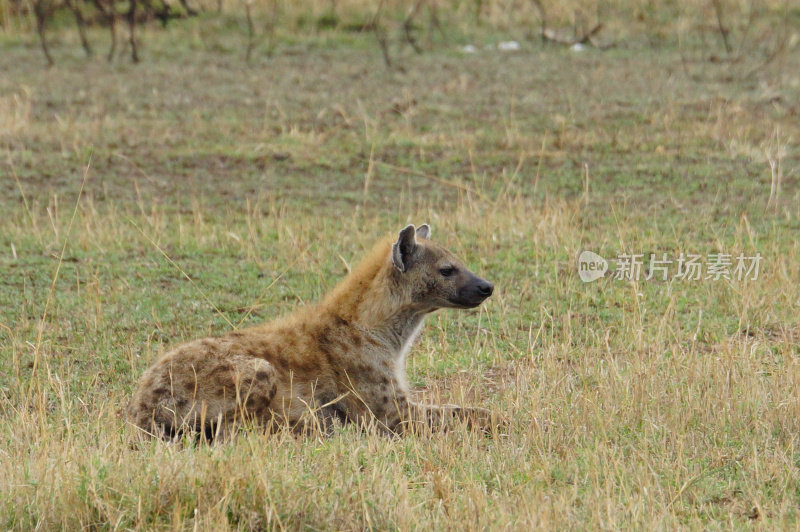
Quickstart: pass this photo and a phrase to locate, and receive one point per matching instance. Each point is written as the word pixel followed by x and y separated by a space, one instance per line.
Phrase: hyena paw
pixel 488 421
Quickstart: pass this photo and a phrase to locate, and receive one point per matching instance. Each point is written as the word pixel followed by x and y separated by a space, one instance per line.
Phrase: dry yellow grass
pixel 633 405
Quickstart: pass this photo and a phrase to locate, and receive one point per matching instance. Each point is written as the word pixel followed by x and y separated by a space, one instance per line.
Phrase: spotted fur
pixel 341 360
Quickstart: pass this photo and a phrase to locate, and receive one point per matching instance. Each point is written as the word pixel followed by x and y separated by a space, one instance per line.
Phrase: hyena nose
pixel 486 288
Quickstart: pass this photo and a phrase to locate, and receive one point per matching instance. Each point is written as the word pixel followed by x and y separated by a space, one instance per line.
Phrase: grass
pixel 650 404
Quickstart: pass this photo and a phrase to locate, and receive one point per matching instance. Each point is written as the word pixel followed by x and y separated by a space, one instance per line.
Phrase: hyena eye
pixel 447 272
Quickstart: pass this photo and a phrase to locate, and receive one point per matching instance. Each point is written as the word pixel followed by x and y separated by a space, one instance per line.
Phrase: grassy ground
pixel 648 404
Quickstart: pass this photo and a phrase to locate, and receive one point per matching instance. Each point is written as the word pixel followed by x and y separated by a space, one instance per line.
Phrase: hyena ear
pixel 404 247
pixel 424 231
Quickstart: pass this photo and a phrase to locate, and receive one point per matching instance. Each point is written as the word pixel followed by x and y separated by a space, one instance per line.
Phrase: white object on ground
pixel 508 46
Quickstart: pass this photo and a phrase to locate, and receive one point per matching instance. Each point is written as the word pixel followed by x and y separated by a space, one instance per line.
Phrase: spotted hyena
pixel 341 359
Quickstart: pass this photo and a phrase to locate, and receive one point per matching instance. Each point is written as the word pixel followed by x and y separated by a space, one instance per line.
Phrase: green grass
pixel 653 404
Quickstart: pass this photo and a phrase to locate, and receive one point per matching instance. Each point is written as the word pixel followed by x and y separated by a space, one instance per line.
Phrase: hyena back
pixel 343 358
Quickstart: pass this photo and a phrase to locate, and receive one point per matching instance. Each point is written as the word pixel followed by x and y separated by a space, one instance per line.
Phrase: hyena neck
pixel 401 338
pixel 402 332
pixel 368 297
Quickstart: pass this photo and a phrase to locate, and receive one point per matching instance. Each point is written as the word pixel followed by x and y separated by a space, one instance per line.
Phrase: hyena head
pixel 430 277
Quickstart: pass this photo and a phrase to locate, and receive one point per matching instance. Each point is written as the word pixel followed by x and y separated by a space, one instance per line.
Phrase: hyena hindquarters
pixel 206 386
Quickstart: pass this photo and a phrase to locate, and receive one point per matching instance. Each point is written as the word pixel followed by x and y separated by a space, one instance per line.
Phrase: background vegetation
pixel 148 204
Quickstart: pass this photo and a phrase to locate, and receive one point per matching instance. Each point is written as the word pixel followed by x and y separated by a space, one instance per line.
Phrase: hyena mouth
pixel 473 294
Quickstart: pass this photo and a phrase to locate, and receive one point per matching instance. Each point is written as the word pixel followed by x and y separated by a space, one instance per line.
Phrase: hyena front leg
pixel 411 415
pixel 443 417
